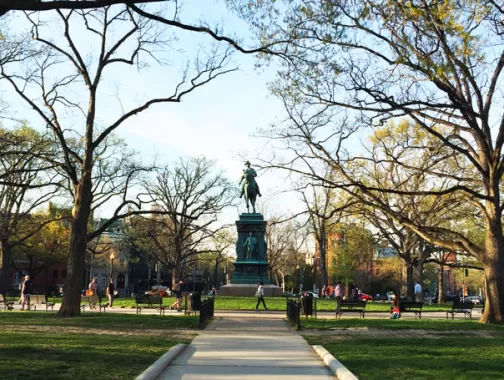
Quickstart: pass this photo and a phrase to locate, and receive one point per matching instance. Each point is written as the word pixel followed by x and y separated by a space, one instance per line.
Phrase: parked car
pixel 477 300
pixel 158 291
pixel 311 294
pixel 289 294
pixel 447 298
pixel 365 297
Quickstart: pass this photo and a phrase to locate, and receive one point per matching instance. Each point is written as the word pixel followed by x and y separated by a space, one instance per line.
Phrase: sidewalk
pixel 247 348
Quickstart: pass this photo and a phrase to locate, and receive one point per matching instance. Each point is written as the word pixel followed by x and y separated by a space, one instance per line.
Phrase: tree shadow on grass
pixel 77 356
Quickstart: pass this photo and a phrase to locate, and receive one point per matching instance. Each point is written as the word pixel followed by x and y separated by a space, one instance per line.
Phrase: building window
pixel 55 274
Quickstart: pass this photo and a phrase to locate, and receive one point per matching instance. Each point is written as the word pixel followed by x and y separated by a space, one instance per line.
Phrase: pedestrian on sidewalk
pixel 338 294
pixel 260 295
pixel 110 292
pixel 418 292
pixel 25 293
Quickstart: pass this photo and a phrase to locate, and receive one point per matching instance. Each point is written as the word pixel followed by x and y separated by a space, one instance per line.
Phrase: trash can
pixel 195 302
pixel 307 305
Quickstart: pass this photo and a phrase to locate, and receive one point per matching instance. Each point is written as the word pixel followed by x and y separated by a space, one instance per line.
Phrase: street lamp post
pixel 300 274
pixel 112 257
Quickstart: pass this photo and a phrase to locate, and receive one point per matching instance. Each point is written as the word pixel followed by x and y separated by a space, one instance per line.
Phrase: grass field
pixel 279 303
pixel 92 346
pixel 401 324
pixel 100 321
pixel 273 303
pixel 458 357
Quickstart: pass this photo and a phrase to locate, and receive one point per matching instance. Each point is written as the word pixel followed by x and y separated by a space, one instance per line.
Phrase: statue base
pixel 248 290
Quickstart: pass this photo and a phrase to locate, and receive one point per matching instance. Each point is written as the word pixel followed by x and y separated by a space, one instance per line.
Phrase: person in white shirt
pixel 418 292
pixel 259 295
pixel 338 294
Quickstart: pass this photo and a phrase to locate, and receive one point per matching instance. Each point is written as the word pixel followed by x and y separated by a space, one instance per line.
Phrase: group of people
pixel 109 290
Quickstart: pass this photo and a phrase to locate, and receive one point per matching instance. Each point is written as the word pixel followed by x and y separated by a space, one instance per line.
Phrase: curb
pixel 338 369
pixel 159 365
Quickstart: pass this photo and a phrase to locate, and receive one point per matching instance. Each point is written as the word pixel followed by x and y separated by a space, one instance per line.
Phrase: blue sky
pixel 217 121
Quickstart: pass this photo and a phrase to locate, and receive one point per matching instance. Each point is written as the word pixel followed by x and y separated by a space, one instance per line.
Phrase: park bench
pixel 411 307
pixel 351 306
pixel 7 305
pixel 92 302
pixel 459 307
pixel 36 300
pixel 149 302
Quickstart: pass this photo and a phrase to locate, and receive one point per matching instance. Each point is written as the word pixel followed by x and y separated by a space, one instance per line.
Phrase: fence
pixel 294 313
pixel 206 312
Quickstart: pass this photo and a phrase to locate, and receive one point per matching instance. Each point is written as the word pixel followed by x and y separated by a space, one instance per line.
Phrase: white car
pixel 311 294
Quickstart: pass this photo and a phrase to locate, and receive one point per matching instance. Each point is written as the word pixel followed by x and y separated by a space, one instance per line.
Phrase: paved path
pixel 247 348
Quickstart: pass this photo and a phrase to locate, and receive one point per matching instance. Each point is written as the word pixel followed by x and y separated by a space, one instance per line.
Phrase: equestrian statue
pixel 250 189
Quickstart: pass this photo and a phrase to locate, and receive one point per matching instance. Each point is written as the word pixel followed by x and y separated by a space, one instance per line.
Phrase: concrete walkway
pixel 247 348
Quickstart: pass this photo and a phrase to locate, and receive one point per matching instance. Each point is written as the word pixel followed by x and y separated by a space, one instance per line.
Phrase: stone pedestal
pixel 251 266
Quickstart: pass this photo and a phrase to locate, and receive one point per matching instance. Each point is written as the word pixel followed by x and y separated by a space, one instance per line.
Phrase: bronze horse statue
pixel 249 190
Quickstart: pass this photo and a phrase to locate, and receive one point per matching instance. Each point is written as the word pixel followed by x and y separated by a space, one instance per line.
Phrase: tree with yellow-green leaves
pixel 28 179
pixel 438 64
pixel 353 250
pixel 49 245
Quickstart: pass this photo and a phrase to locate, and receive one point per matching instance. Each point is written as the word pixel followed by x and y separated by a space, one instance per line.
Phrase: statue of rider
pixel 249 175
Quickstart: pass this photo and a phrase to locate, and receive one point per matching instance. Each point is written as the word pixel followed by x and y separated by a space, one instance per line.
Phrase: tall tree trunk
pixel 216 270
pixel 410 287
pixel 78 244
pixel 494 270
pixel 5 280
pixel 323 256
pixel 419 275
pixel 440 284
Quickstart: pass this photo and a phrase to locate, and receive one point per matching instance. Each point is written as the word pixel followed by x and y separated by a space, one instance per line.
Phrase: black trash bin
pixel 195 302
pixel 307 305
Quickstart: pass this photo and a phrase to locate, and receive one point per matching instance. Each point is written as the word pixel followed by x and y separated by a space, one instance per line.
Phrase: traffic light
pixel 466 272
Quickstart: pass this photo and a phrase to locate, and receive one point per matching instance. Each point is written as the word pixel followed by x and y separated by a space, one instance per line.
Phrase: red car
pixel 365 297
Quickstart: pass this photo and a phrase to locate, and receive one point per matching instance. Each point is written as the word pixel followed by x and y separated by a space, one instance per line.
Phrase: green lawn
pixel 279 303
pixel 37 345
pixel 100 321
pixel 398 358
pixel 273 303
pixel 401 324
pixel 59 355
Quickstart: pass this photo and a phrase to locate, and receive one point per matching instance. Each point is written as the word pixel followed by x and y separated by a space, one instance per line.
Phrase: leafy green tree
pixel 65 78
pixel 437 63
pixel 27 181
pixel 352 251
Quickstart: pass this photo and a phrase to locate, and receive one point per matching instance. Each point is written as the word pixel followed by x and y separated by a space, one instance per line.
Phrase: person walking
pixel 93 285
pixel 260 296
pixel 338 294
pixel 25 293
pixel 177 290
pixel 110 292
pixel 418 292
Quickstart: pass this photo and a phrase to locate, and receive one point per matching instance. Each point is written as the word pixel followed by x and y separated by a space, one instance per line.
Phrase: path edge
pixel 160 365
pixel 338 369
